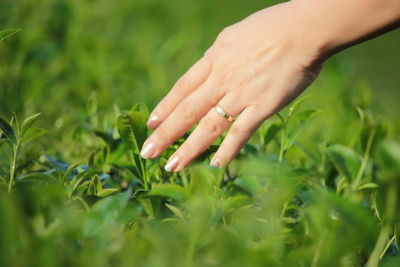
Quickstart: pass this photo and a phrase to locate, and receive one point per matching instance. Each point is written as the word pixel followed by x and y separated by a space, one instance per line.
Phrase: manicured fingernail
pixel 147 151
pixel 171 164
pixel 153 121
pixel 215 162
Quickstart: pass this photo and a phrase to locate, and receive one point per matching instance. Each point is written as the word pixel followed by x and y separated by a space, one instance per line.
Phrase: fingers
pixel 210 127
pixel 189 82
pixel 238 135
pixel 182 118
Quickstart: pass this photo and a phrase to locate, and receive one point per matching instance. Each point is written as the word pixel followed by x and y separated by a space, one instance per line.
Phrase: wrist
pixel 330 26
pixel 315 40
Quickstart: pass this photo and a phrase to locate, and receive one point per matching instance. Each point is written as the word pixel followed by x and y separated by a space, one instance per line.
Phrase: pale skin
pixel 255 68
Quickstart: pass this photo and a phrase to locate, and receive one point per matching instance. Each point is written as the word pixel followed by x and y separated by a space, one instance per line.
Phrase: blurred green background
pixel 81 62
pixel 131 51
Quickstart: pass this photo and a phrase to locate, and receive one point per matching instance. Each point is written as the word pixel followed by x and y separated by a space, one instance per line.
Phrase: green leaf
pixel 374 134
pixel 346 161
pixel 175 210
pixel 108 138
pixel 293 108
pixel 141 108
pixel 37 178
pixel 388 160
pixel 173 191
pixel 368 186
pixel 70 170
pixel 233 203
pixel 112 205
pixel 271 133
pixel 107 192
pixel 387 202
pixel 342 184
pixel 202 180
pixel 81 177
pixel 249 183
pixel 8 131
pixel 397 235
pixel 28 122
pixel 250 149
pixel 33 133
pixel 133 130
pixel 57 164
pixel 2 141
pixel 108 213
pixel 147 206
pixel 95 185
pixel 305 115
pixel 7 33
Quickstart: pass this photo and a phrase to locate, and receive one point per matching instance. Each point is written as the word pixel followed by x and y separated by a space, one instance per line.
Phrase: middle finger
pixel 210 127
pixel 184 116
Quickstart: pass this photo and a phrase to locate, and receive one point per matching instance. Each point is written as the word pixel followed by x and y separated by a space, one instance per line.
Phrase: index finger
pixel 185 85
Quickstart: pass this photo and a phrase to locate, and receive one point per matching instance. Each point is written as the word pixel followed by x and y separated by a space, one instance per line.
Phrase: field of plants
pixel 317 185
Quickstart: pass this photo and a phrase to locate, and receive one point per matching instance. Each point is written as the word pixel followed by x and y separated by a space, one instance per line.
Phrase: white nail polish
pixel 171 164
pixel 147 151
pixel 152 120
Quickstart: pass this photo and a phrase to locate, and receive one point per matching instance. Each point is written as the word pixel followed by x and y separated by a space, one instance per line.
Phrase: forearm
pixel 332 25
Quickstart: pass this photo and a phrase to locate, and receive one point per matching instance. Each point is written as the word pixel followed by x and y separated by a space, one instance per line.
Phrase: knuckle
pixel 227 76
pixel 212 127
pixel 162 134
pixel 240 131
pixel 186 111
pixel 187 150
pixel 224 35
pixel 183 85
pixel 211 98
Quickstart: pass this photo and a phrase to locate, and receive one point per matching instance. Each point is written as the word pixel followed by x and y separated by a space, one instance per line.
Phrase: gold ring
pixel 224 114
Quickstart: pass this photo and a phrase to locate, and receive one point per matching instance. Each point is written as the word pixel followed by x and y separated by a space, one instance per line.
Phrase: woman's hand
pixel 253 69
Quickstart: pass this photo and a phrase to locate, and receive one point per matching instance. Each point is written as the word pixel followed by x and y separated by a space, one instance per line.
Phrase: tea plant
pixel 317 185
pixel 15 138
pixel 267 210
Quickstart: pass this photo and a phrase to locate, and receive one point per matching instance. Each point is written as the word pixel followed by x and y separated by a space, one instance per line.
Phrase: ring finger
pixel 212 125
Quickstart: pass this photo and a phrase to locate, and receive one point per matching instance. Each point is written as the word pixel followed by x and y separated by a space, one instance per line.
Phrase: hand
pixel 253 69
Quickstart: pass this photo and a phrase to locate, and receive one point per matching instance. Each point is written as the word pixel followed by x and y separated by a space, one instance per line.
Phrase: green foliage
pixel 261 208
pixel 7 33
pixel 8 131
pixel 133 130
pixel 317 185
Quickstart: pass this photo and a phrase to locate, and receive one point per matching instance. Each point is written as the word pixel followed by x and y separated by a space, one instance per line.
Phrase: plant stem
pixel 13 166
pixel 141 170
pixel 373 260
pixel 144 173
pixel 364 160
pixel 283 143
pixel 191 248
pixel 387 247
pixel 321 244
pixel 84 204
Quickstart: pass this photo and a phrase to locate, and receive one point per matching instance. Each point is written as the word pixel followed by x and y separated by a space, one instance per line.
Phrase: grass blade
pixel 7 33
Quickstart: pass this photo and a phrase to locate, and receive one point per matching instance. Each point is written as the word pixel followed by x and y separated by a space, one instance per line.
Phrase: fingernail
pixel 147 151
pixel 153 121
pixel 215 162
pixel 171 164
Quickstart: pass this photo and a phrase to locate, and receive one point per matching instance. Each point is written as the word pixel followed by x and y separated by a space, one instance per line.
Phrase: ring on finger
pixel 224 114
